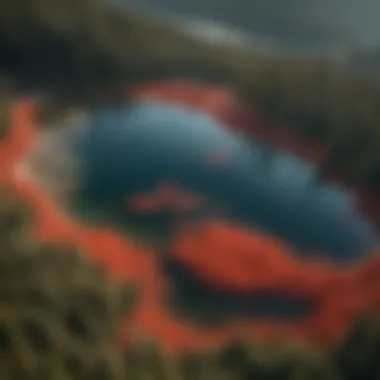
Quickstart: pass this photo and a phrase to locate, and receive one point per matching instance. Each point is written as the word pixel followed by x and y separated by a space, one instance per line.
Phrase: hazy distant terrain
pixel 305 23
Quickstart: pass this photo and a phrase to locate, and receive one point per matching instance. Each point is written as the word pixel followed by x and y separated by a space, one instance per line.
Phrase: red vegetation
pixel 230 258
pixel 165 197
pixel 222 255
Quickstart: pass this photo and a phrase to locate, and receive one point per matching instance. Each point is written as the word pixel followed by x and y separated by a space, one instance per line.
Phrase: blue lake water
pixel 127 150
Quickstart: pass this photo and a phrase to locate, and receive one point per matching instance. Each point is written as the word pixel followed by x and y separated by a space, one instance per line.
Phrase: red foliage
pixel 231 258
pixel 165 197
pixel 223 255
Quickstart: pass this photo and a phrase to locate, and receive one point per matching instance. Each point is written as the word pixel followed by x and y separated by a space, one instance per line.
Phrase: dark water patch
pixel 191 297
